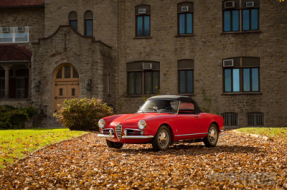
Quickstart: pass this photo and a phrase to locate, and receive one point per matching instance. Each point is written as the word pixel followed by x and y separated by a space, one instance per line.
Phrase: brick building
pixel 230 56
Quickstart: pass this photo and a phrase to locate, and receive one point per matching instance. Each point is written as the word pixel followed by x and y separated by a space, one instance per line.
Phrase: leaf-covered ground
pixel 273 132
pixel 87 163
pixel 15 144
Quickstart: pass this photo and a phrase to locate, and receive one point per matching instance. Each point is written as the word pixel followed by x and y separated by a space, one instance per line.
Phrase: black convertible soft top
pixel 178 98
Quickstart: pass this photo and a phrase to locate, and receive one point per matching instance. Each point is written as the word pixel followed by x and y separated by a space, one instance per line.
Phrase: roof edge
pixel 75 31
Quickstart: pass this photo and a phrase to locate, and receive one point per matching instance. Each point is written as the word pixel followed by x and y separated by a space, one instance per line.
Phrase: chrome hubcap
pixel 212 135
pixel 163 138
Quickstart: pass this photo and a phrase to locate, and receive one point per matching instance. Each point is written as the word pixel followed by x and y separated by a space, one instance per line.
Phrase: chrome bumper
pixel 137 137
pixel 126 137
pixel 106 136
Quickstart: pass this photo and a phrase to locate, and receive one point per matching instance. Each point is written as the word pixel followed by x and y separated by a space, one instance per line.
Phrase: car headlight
pixel 142 124
pixel 102 123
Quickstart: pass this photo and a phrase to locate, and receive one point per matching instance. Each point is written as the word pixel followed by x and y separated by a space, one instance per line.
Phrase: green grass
pixel 280 132
pixel 15 144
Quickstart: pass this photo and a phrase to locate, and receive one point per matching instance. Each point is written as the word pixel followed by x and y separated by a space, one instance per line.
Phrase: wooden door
pixel 66 85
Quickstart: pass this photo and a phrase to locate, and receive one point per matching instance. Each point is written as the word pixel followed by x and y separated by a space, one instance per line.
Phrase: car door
pixel 188 121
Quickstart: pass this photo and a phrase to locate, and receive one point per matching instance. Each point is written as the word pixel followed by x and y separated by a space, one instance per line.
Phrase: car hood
pixel 129 118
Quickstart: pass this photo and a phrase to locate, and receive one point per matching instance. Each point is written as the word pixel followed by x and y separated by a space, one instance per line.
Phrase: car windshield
pixel 161 106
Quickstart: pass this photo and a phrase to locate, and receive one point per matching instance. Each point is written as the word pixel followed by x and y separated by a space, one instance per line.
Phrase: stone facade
pixel 103 58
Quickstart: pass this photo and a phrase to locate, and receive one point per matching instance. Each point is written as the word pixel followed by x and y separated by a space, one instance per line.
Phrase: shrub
pixel 82 114
pixel 15 118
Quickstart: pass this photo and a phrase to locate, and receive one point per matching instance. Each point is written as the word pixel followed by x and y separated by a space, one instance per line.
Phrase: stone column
pixel 7 69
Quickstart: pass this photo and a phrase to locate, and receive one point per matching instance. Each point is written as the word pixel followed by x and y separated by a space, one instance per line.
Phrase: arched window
pixel 185 18
pixel 73 19
pixel 230 119
pixel 88 23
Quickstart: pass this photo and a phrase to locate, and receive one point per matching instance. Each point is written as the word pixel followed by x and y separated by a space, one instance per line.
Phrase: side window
pixel 186 108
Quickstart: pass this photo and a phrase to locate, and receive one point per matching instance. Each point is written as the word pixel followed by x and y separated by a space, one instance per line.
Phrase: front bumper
pixel 126 137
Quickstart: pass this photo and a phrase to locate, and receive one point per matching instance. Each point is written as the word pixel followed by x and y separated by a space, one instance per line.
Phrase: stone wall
pixel 207 47
pixel 32 17
pixel 68 46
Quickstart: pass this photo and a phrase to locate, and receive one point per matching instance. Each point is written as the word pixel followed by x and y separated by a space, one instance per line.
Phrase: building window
pixel 143 78
pixel 143 20
pixel 241 74
pixel 230 119
pixel 2 83
pixel 185 18
pixel 88 23
pixel 186 76
pixel 14 34
pixel 73 19
pixel 236 12
pixel 255 119
pixel 250 19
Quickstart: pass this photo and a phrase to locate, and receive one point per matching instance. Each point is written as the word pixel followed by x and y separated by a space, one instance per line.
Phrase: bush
pixel 15 118
pixel 82 114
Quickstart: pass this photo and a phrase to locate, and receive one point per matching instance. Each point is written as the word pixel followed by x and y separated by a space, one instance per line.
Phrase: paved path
pixel 87 163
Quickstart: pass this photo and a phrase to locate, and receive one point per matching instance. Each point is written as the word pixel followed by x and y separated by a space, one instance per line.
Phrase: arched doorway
pixel 65 85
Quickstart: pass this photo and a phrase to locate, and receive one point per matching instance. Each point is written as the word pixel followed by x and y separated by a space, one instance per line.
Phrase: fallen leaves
pixel 87 163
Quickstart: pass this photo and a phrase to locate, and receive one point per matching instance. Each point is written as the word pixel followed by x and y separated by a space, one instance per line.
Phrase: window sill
pixel 142 37
pixel 15 99
pixel 186 94
pixel 242 32
pixel 242 93
pixel 184 35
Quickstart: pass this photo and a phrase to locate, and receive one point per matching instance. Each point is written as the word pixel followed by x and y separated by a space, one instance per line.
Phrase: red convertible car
pixel 161 121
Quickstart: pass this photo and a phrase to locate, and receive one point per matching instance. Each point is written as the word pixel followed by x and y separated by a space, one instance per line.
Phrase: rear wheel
pixel 114 144
pixel 212 137
pixel 162 139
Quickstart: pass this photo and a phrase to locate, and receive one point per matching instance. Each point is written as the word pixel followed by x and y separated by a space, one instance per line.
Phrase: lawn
pixel 278 132
pixel 15 144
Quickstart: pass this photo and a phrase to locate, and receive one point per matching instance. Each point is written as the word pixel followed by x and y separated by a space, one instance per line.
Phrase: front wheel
pixel 162 139
pixel 212 137
pixel 114 144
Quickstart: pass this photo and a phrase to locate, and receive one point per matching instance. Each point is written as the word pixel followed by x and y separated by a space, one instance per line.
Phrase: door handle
pixel 197 117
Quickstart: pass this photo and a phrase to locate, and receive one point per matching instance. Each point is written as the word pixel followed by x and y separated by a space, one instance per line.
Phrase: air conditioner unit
pixel 21 29
pixel 229 4
pixel 184 8
pixel 147 66
pixel 5 29
pixel 228 63
pixel 250 4
pixel 142 11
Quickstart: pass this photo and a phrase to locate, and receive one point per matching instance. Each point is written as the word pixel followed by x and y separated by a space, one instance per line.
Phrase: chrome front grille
pixel 119 131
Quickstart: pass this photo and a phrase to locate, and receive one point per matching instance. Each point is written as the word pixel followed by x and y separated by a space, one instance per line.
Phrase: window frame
pixel 85 23
pixel 148 13
pixel 231 20
pixel 73 19
pixel 250 19
pixel 186 81
pixel 188 64
pixel 191 10
pixel 239 5
pixel 143 79
pixel 231 114
pixel 12 31
pixel 254 114
pixel 241 86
